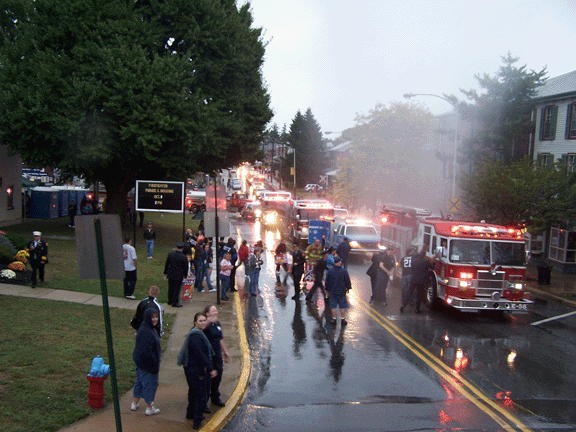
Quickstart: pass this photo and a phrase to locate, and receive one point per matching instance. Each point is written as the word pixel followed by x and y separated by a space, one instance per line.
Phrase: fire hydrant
pixel 97 375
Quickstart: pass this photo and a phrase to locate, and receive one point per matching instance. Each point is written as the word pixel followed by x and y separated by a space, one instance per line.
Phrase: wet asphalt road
pixel 386 371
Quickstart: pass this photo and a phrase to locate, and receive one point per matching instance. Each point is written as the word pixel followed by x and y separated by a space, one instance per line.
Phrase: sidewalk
pixel 562 287
pixel 171 397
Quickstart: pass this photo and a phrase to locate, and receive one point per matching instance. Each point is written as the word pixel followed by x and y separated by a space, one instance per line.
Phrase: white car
pixel 312 187
pixel 363 236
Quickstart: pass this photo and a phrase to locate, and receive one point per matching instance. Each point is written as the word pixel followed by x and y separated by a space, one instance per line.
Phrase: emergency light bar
pixel 487 230
pixel 314 204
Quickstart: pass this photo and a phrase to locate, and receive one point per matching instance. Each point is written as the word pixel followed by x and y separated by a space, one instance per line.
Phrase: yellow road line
pixel 223 415
pixel 506 420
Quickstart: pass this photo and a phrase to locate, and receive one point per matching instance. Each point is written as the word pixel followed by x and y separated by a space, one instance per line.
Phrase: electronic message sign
pixel 160 196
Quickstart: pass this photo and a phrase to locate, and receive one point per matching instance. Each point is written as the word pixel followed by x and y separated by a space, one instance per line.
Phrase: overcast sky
pixel 342 57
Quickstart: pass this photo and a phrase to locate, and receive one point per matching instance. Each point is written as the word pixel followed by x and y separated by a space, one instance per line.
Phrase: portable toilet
pixel 44 203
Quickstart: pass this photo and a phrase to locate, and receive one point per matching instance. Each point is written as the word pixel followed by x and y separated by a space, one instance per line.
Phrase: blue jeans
pixel 149 248
pixel 199 273
pixel 254 279
pixel 224 285
pixel 206 276
pixel 145 385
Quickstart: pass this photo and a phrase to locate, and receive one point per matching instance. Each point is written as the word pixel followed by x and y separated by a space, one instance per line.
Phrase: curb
pixel 536 292
pixel 223 415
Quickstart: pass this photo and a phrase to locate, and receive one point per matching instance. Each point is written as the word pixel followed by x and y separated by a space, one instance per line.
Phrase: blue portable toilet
pixel 318 229
pixel 44 203
pixel 63 198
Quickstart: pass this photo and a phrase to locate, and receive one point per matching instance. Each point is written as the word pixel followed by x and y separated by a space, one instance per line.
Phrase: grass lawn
pixel 47 346
pixel 62 269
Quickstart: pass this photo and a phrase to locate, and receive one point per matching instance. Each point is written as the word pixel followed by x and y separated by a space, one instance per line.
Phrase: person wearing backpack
pixel 149 302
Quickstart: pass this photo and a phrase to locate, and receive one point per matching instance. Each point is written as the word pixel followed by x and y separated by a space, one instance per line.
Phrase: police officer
pixel 38 250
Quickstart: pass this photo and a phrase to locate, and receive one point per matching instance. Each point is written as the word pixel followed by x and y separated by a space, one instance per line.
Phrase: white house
pixel 554 139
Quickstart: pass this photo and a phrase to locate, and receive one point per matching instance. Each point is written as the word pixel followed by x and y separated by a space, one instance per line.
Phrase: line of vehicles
pixel 474 266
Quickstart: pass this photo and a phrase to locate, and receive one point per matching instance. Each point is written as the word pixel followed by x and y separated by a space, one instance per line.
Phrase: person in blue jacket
pixel 146 356
pixel 337 285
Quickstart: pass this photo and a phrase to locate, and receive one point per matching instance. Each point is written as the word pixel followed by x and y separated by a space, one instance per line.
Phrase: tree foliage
pixel 501 112
pixel 117 90
pixel 388 159
pixel 305 136
pixel 520 193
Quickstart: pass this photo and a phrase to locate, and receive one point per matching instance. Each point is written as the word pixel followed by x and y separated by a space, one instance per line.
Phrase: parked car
pixel 313 187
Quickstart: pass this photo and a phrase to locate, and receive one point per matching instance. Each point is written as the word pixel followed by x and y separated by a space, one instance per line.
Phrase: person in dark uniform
pixel 197 358
pixel 372 273
pixel 385 270
pixel 343 251
pixel 406 264
pixel 175 269
pixel 38 250
pixel 420 274
pixel 298 262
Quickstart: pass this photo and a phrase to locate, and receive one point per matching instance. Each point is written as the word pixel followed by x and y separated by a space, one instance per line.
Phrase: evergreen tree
pixel 117 91
pixel 305 137
pixel 501 112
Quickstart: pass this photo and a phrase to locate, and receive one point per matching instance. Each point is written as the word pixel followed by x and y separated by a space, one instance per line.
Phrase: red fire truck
pixel 476 266
pixel 399 225
pixel 301 212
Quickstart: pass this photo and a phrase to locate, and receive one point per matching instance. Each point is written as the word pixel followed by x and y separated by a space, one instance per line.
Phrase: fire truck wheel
pixel 432 295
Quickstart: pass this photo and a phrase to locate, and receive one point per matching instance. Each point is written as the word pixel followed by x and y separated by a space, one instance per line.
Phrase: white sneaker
pixel 152 411
pixel 131 297
pixel 134 406
pixel 212 290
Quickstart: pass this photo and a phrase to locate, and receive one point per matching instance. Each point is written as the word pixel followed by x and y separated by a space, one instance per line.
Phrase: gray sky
pixel 342 57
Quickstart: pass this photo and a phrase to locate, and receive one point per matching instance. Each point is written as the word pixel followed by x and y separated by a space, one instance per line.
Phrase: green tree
pixel 388 159
pixel 519 193
pixel 305 137
pixel 501 112
pixel 117 91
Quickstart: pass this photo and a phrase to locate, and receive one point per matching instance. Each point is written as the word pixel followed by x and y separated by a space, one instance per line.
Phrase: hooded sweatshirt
pixel 146 354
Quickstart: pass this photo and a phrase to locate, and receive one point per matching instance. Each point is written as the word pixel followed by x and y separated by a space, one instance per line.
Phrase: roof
pixel 560 85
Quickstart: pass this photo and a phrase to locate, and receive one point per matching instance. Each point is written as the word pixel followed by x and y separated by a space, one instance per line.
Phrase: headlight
pixel 304 230
pixel 354 244
pixel 516 285
pixel 257 212
pixel 270 218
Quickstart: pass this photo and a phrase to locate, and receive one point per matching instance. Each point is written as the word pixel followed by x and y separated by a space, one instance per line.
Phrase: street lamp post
pixel 294 154
pixel 456 132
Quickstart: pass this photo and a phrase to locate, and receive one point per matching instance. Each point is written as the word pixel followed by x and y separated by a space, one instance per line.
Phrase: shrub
pixel 17 241
pixel 7 250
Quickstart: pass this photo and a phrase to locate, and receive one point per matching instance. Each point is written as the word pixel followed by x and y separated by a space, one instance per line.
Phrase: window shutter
pixel 542 122
pixel 569 120
pixel 553 121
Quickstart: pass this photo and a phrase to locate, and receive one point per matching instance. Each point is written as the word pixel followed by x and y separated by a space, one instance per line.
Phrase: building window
pixel 10 198
pixel 545 160
pixel 571 163
pixel 562 245
pixel 548 123
pixel 571 121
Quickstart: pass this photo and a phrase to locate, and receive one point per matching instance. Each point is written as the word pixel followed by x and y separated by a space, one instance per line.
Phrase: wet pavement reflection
pixel 392 371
